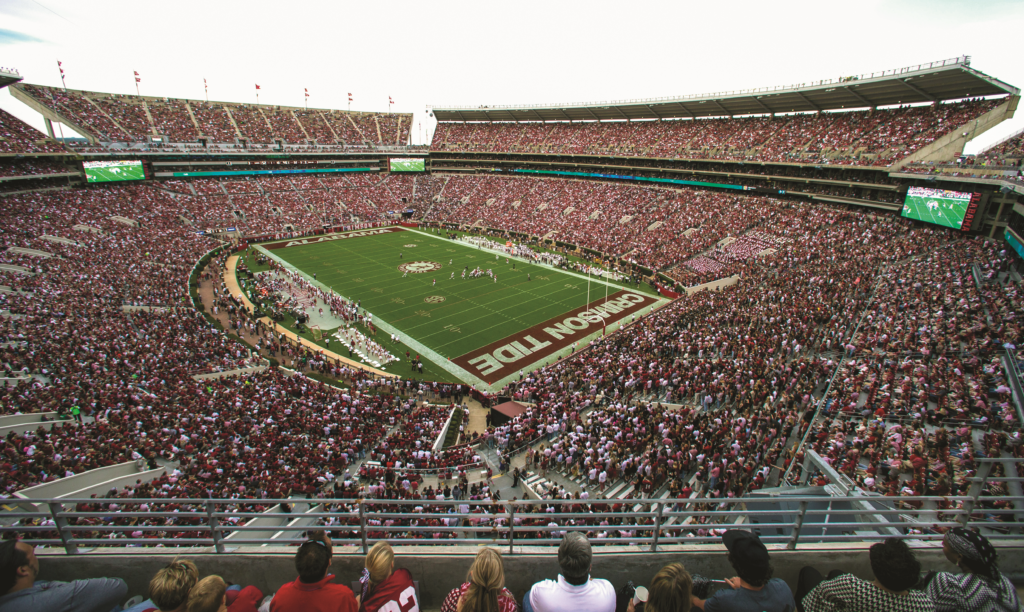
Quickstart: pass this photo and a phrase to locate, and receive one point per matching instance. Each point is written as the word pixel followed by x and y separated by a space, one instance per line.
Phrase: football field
pixel 482 330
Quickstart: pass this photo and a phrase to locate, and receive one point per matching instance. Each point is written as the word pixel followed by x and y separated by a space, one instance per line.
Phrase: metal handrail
pixel 648 521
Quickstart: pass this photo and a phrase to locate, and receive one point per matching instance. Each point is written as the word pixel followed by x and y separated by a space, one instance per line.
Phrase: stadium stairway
pixel 619 492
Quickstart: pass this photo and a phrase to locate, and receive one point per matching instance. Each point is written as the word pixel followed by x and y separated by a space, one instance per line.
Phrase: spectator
pixel 20 592
pixel 981 587
pixel 314 589
pixel 484 589
pixel 385 589
pixel 896 571
pixel 671 590
pixel 574 590
pixel 753 588
pixel 211 595
pixel 169 588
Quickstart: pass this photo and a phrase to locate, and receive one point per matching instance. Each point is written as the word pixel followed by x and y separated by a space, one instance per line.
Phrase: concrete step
pixel 625 492
pixel 614 491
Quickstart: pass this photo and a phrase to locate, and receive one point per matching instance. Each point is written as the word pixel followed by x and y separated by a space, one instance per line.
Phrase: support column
pixel 49 128
pixel 999 215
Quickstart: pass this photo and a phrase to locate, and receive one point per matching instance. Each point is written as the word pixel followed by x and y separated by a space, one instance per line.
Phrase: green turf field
pixel 941 207
pixel 448 317
pixel 100 172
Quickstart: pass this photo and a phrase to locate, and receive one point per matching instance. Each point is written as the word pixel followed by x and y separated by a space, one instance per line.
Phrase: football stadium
pixel 583 355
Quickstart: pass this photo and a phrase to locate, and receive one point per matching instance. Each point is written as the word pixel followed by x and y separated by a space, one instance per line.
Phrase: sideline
pixel 235 290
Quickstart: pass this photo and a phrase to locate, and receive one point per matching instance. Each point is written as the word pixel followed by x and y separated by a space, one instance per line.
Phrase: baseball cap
pixel 749 555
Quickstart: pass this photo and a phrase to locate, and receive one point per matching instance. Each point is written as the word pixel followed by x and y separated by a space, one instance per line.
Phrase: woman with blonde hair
pixel 383 588
pixel 484 589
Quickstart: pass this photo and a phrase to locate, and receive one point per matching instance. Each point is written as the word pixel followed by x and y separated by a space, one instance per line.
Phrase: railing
pixel 1013 375
pixel 645 524
pixel 964 60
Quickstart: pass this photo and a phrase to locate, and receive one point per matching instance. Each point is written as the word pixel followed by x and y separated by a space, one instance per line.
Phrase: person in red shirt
pixel 385 589
pixel 314 589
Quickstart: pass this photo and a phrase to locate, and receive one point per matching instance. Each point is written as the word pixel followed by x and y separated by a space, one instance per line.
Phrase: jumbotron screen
pixel 407 164
pixel 953 209
pixel 105 171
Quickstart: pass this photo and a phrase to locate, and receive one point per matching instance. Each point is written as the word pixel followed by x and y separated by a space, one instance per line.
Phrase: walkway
pixel 235 290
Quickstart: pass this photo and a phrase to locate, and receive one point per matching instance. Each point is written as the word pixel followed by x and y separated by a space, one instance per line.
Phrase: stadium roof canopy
pixel 8 77
pixel 944 80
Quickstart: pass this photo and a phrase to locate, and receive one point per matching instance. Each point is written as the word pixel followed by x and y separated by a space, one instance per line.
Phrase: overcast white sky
pixel 467 53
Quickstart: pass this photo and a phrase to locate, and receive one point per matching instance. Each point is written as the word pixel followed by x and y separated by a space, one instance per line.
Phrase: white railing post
pixel 214 526
pixel 657 527
pixel 62 528
pixel 797 525
pixel 362 527
pixel 511 527
pixel 975 491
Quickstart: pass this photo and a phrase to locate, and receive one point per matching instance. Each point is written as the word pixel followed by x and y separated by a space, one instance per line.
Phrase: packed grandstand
pixel 856 348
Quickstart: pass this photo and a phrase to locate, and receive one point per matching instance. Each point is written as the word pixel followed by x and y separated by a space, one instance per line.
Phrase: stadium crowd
pixel 105 337
pixel 866 138
pixel 19 137
pixel 124 118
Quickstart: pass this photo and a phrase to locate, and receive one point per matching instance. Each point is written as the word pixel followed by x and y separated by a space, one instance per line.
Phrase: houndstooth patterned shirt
pixel 972 593
pixel 847 593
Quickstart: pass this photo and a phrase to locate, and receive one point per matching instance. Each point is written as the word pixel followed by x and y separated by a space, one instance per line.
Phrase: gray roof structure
pixel 8 77
pixel 950 79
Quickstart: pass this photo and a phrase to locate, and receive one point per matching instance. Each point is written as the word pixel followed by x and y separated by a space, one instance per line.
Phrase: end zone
pixel 503 358
pixel 271 246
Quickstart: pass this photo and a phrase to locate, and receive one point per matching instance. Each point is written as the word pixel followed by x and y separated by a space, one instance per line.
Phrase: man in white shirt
pixel 574 591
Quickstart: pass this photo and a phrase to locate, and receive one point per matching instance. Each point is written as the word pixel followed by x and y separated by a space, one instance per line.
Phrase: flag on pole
pixel 138 80
pixel 59 64
pixel 257 87
pixel 136 72
pixel 307 92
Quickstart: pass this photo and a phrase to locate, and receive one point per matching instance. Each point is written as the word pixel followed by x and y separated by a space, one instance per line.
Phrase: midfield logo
pixel 419 267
